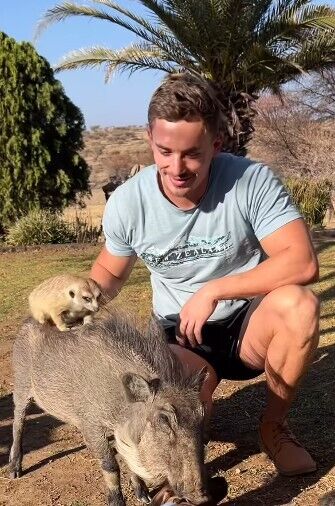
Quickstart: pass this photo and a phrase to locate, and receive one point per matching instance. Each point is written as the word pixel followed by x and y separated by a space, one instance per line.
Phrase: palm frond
pixel 69 9
pixel 131 58
pixel 316 53
pixel 294 24
pixel 146 31
pixel 176 25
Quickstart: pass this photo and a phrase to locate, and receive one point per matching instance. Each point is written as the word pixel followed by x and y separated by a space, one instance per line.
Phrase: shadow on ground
pixel 37 430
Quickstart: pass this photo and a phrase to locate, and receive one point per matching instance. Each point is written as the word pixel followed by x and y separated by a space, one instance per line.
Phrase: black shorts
pixel 219 346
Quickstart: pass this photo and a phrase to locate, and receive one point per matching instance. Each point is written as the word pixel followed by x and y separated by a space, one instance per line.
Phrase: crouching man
pixel 229 257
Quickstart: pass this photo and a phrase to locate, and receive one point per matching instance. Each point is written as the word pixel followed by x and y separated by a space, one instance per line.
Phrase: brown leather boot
pixel 287 454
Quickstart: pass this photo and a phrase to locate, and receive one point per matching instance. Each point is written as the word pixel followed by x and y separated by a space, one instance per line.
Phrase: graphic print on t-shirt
pixel 192 249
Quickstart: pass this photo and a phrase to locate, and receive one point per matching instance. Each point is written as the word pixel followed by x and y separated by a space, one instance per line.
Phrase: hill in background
pixel 112 151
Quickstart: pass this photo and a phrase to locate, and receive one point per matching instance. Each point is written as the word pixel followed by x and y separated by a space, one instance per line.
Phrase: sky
pixel 121 102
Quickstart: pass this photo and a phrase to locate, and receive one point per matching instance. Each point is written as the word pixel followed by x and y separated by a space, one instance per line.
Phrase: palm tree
pixel 242 46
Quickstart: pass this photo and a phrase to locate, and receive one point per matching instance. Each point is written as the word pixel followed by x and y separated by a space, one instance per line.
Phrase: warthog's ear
pixel 197 379
pixel 137 388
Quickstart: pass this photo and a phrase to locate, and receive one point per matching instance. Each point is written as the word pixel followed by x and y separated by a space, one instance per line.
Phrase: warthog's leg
pixel 97 442
pixel 140 489
pixel 16 453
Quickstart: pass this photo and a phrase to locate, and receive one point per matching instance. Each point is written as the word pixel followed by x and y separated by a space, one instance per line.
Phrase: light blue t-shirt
pixel 244 202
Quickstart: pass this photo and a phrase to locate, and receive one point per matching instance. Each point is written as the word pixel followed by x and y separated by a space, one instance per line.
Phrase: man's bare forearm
pixel 110 284
pixel 111 272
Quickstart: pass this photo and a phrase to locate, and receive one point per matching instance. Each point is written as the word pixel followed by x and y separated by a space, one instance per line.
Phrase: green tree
pixel 40 136
pixel 243 46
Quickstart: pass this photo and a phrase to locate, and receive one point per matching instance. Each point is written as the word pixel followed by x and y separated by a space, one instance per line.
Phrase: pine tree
pixel 40 136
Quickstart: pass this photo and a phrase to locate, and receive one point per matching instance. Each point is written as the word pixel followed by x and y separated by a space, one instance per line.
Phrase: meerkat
pixel 65 300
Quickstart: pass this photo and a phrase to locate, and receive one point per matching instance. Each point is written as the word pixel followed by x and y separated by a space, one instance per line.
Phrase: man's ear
pixel 149 135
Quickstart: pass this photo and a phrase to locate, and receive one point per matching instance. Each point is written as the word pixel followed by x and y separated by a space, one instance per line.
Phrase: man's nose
pixel 177 165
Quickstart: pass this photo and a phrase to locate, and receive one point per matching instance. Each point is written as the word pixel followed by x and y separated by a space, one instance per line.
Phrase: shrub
pixel 311 197
pixel 40 227
pixel 84 230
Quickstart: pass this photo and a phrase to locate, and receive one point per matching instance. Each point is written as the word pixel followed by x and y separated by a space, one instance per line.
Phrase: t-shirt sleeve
pixel 269 205
pixel 114 228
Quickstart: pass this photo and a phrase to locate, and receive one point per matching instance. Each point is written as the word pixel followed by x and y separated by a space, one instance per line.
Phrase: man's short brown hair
pixel 184 96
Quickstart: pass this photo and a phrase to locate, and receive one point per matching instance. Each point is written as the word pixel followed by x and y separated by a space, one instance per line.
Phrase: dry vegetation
pixel 291 141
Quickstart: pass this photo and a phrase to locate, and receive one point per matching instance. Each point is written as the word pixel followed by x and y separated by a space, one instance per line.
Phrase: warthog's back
pixel 67 369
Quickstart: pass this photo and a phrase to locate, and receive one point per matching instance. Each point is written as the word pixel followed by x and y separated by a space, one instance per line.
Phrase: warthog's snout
pixel 196 499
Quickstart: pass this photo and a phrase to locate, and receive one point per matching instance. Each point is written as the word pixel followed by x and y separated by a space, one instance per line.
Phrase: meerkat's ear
pixel 71 293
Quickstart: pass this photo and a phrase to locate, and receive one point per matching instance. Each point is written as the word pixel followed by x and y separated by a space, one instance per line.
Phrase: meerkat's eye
pixel 88 299
pixel 71 293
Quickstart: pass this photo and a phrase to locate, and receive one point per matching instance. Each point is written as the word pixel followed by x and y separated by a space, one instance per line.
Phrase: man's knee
pixel 193 363
pixel 298 308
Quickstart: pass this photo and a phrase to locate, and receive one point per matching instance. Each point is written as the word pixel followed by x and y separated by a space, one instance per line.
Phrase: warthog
pixel 109 378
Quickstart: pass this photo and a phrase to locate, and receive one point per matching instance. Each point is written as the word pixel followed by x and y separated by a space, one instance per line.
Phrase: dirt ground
pixel 59 471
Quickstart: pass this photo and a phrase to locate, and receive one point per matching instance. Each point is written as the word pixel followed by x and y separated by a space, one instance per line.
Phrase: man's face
pixel 183 152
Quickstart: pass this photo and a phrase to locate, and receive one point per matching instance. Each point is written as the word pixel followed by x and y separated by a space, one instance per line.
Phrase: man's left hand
pixel 193 316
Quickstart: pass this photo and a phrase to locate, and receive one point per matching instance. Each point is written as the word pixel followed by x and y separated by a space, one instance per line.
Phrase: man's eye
pixel 193 155
pixel 165 153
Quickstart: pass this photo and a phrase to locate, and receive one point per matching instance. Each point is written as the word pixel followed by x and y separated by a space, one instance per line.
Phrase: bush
pixel 311 197
pixel 84 230
pixel 40 227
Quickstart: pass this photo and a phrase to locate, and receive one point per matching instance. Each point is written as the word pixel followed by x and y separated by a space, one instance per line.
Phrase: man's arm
pixel 292 260
pixel 111 271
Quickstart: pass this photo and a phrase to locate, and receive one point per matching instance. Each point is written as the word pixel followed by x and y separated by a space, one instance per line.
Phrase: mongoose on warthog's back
pixel 108 376
pixel 65 300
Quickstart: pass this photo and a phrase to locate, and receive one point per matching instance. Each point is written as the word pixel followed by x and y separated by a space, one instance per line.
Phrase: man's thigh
pixel 268 315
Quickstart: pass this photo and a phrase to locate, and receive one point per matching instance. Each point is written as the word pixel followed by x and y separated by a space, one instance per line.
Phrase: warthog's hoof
pixel 142 493
pixel 115 499
pixel 15 473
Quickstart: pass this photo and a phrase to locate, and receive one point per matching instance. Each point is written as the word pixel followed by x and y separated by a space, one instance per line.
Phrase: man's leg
pixel 192 363
pixel 281 333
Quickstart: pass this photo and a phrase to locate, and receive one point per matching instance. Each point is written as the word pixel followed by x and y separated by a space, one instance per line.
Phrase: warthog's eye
pixel 88 299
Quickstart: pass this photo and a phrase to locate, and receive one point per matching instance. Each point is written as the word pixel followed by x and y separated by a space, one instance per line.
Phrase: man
pixel 229 256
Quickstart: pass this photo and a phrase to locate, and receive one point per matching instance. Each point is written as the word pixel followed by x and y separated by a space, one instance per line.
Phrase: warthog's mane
pixel 120 332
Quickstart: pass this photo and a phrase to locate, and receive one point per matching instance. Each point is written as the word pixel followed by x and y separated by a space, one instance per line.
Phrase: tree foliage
pixel 243 46
pixel 40 136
